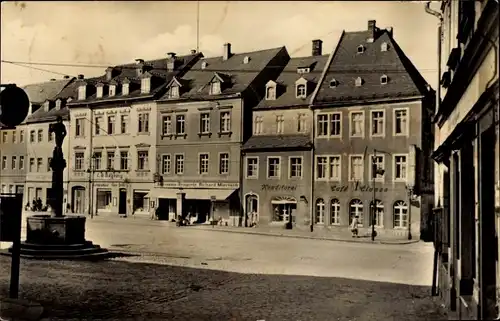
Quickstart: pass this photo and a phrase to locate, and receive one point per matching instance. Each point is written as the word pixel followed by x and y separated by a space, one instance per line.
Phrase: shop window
pixel 335 211
pixel 356 208
pixel 141 202
pixel 400 213
pixel 379 212
pixel 320 211
pixel 104 200
pixel 283 208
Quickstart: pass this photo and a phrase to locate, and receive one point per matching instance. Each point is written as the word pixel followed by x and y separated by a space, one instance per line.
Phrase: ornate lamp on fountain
pixel 57 236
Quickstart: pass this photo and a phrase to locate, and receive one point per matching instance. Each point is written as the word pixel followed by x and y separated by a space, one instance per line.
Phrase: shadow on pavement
pixel 121 290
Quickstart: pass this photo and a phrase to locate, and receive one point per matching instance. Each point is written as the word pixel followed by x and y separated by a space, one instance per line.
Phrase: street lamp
pixel 410 196
pixel 91 171
pixel 375 171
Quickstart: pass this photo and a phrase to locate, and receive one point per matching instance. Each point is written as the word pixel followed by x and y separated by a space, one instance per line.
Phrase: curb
pixel 405 242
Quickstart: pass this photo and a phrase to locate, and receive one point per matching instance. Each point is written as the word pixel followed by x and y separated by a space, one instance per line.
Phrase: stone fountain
pixel 58 236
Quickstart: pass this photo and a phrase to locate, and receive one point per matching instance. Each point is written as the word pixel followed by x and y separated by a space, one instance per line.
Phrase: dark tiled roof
pixel 285 94
pixel 157 68
pixel 347 65
pixel 39 93
pixel 258 142
pixel 237 75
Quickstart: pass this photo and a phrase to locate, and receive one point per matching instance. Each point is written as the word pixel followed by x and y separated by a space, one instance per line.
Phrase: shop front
pixel 200 202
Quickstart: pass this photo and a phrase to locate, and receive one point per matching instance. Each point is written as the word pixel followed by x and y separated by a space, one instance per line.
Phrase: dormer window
pixel 203 64
pixel 125 87
pixel 46 105
pixel 301 88
pixel 173 92
pixel 82 92
pixel 58 104
pixel 361 49
pixel 146 83
pixel 215 88
pixel 271 93
pixel 112 90
pixel 333 83
pixel 383 46
pixel 358 82
pixel 99 90
pixel 303 70
pixel 384 79
pixel 246 60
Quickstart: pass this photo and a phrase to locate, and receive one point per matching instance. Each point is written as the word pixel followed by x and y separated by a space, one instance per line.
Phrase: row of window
pixel 35 165
pixel 98 163
pixel 329 167
pixel 36 136
pixel 203 164
pixel 399 212
pixel 330 124
pixel 177 125
pixel 143 125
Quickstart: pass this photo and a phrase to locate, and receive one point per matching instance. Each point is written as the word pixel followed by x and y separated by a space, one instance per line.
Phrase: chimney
pixel 193 51
pixel 66 77
pixel 140 66
pixel 80 76
pixel 171 55
pixel 372 26
pixel 227 51
pixel 52 79
pixel 109 73
pixel 390 31
pixel 171 61
pixel 317 47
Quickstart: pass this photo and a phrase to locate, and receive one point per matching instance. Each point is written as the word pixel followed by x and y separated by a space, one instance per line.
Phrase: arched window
pixel 335 211
pixel 358 82
pixel 356 208
pixel 301 91
pixel 379 212
pixel 320 211
pixel 400 214
pixel 271 93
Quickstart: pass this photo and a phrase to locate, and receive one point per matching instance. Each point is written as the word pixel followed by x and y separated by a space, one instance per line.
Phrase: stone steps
pixel 87 251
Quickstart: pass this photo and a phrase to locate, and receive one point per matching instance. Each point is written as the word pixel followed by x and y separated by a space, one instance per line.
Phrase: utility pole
pixel 90 170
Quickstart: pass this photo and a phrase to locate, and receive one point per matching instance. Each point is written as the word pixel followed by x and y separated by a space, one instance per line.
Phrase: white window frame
pixel 111 124
pixel 200 163
pixel 370 168
pixel 215 88
pixel 166 158
pixel 290 167
pixel 13 162
pixel 228 163
pixel 280 124
pixel 225 122
pixel 143 118
pixel 256 176
pixel 329 117
pixel 384 46
pixel 124 121
pixel 39 135
pixel 395 110
pixel 337 206
pixel 108 158
pixel 378 204
pixel 350 179
pixel 80 127
pixel 271 95
pixel 395 206
pixel 316 165
pixel 300 94
pixel 360 214
pixel 351 113
pixel 180 119
pixel 329 167
pixel 166 125
pixel 319 134
pixel 126 159
pixel 394 179
pixel 258 121
pixel 112 90
pixel 301 123
pixel 125 89
pixel 183 164
pixel 204 123
pixel 321 210
pixel 79 161
pixel 21 162
pixel 146 160
pixel 382 134
pixel 145 85
pixel 278 170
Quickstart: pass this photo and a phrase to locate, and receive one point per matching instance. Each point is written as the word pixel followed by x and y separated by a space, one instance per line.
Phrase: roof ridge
pixel 248 52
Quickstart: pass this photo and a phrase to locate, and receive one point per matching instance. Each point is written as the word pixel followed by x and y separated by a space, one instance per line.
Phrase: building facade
pixel 277 172
pixel 372 128
pixel 113 131
pixel 467 151
pixel 26 149
pixel 204 117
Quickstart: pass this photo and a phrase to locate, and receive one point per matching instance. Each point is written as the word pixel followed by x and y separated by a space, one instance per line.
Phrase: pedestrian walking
pixel 354 226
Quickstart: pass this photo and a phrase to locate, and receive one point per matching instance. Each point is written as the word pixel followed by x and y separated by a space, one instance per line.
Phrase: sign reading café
pixel 358 187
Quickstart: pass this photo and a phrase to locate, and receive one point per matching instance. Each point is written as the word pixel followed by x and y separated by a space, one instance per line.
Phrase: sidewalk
pixel 341 234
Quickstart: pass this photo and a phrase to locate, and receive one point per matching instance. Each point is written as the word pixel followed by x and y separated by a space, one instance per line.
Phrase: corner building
pixel 277 174
pixel 203 119
pixel 372 106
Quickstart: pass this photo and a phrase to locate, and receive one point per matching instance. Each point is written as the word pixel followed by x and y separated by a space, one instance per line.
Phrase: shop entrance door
pixel 252 209
pixel 122 203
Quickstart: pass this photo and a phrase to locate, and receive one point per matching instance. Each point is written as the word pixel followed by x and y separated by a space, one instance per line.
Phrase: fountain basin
pixel 48 230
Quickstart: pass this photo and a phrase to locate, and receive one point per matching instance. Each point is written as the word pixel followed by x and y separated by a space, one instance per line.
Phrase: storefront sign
pixel 105 184
pixel 109 175
pixel 200 185
pixel 266 187
pixel 358 188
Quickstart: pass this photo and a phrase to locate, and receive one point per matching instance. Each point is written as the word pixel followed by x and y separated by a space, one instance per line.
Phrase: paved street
pixel 189 274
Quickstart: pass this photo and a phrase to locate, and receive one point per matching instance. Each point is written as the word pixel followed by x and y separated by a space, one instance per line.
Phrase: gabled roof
pixel 285 94
pixel 39 93
pixel 128 72
pixel 262 142
pixel 347 64
pixel 232 70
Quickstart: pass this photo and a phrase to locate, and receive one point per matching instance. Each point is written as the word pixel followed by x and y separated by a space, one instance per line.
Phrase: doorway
pixel 487 233
pixel 122 202
pixel 252 209
pixel 78 199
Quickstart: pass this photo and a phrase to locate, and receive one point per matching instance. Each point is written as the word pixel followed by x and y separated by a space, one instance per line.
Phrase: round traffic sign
pixel 14 106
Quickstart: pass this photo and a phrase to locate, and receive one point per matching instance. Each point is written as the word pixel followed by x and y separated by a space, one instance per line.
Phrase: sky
pixel 104 33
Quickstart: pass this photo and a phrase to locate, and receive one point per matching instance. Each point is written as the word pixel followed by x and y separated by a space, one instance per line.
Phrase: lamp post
pixel 375 171
pixel 91 170
pixel 410 196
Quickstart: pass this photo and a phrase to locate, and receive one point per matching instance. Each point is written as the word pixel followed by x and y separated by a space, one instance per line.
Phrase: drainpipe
pixel 434 289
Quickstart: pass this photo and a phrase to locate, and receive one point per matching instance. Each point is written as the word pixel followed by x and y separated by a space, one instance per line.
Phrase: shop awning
pixel 206 194
pixel 163 193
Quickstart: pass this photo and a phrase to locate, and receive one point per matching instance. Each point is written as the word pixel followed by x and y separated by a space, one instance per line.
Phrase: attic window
pixel 383 46
pixel 301 91
pixel 203 65
pixel 361 49
pixel 58 104
pixel 302 70
pixel 358 82
pixel 173 92
pixel 333 83
pixel 82 92
pixel 145 85
pixel 112 90
pixel 246 60
pixel 99 91
pixel 384 79
pixel 271 92
pixel 125 89
pixel 215 88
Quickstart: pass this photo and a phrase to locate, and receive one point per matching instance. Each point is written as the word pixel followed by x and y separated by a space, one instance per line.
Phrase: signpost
pixel 11 208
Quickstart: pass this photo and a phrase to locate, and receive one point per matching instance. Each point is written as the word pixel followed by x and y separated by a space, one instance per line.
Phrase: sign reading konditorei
pixel 278 187
pixel 357 187
pixel 200 185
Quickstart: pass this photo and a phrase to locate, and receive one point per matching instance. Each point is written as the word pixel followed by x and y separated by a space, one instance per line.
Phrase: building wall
pixel 131 179
pixel 290 117
pixel 268 190
pixel 388 190
pixel 12 179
